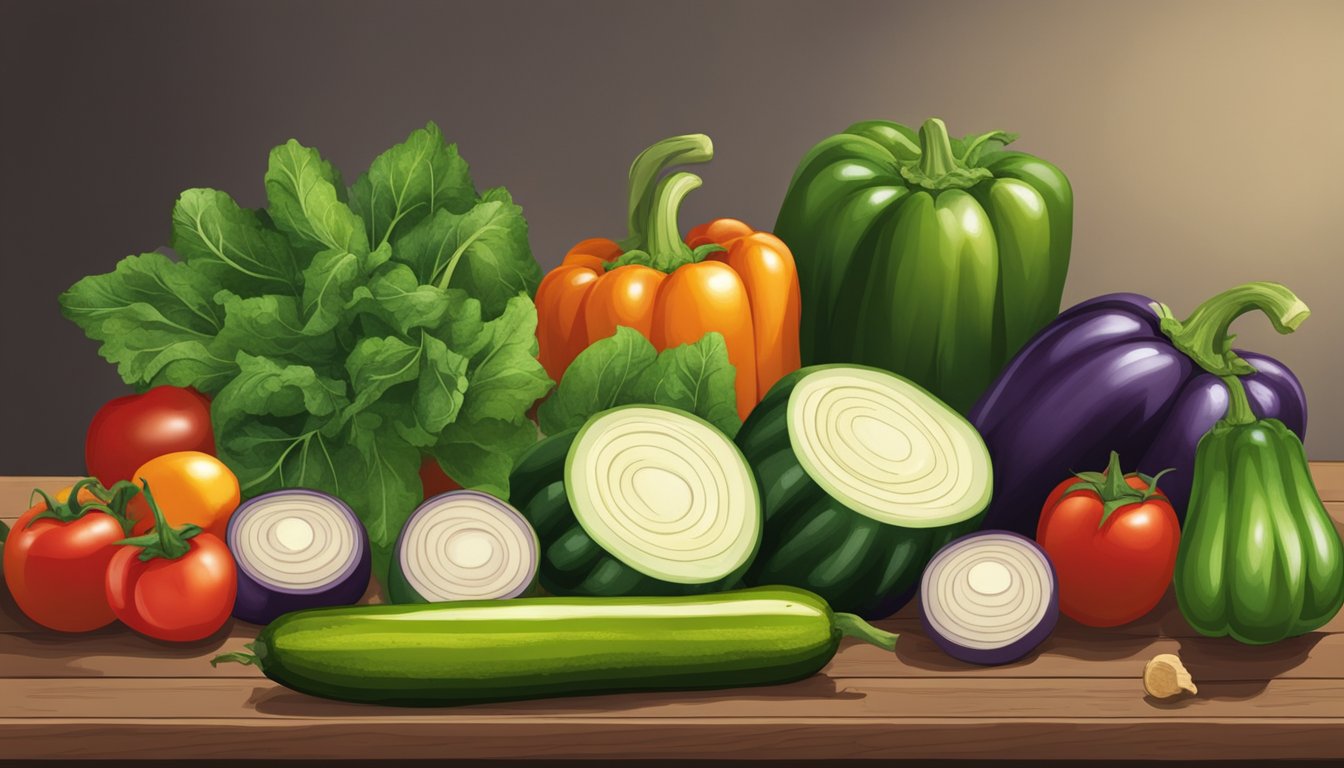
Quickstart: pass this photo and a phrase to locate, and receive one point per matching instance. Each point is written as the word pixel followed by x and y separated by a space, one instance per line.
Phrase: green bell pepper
pixel 932 257
pixel 1259 557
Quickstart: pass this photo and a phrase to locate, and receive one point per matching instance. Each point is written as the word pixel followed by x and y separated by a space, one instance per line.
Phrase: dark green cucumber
pixel 544 488
pixel 479 651
pixel 866 560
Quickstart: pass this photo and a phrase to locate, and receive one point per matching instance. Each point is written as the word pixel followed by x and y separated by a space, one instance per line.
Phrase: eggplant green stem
pixel 1204 336
pixel 855 627
pixel 644 175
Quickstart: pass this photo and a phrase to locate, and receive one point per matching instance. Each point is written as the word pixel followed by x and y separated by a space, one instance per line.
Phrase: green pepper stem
pixel 644 175
pixel 1238 405
pixel 936 159
pixel 937 167
pixel 855 627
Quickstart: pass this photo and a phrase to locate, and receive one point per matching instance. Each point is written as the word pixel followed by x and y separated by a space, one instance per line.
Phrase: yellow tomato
pixel 189 487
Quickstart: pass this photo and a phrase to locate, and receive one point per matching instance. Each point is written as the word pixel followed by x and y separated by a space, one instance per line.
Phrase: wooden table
pixel 113 693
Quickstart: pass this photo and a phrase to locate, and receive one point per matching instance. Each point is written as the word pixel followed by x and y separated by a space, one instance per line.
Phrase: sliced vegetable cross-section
pixel 863 475
pixel 463 545
pixel 989 598
pixel 296 549
pixel 640 500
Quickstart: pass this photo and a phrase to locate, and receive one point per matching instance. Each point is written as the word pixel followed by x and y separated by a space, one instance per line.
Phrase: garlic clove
pixel 1165 677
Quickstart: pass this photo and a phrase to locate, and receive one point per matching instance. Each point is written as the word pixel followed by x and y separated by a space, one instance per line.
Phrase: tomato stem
pixel 73 508
pixel 164 541
pixel 1113 488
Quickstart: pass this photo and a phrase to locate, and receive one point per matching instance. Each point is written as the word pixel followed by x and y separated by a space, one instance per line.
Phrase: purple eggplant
pixel 296 549
pixel 1118 373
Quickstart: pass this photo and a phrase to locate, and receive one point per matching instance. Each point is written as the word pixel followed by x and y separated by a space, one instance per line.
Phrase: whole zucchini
pixel 478 651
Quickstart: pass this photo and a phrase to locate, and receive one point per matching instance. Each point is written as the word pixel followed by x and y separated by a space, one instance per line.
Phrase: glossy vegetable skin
pixel 725 277
pixel 1260 559
pixel 192 487
pixel 174 584
pixel 478 651
pixel 129 431
pixel 56 556
pixel 1113 540
pixel 932 257
pixel 1107 375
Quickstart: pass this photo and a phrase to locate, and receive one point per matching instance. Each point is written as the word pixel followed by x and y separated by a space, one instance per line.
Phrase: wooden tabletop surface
pixel 115 694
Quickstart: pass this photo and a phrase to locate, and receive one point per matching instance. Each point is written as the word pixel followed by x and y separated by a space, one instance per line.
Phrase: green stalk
pixel 644 174
pixel 164 541
pixel 1204 336
pixel 666 251
pixel 855 627
pixel 937 167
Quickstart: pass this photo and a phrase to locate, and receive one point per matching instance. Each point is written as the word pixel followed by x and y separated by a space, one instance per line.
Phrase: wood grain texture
pixel 112 693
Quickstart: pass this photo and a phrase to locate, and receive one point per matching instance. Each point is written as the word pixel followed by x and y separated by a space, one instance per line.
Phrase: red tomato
pixel 433 480
pixel 181 599
pixel 128 431
pixel 1115 570
pixel 55 568
pixel 190 487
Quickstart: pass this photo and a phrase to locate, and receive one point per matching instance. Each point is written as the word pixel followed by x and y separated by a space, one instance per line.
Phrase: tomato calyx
pixel 1112 488
pixel 111 501
pixel 163 541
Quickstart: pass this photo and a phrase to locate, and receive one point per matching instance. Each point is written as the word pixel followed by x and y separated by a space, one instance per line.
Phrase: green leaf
pixel 155 318
pixel 602 376
pixel 505 378
pixel 439 391
pixel 481 456
pixel 409 182
pixel 278 426
pixel 328 286
pixel 389 481
pixel 394 295
pixel 231 247
pixel 272 326
pixel 378 364
pixel 696 378
pixel 485 252
pixel 305 202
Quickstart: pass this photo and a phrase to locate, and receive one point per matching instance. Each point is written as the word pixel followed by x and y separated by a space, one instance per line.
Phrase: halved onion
pixel 990 597
pixel 296 549
pixel 463 545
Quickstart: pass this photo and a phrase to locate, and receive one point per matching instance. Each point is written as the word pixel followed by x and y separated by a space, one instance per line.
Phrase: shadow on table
pixel 275 700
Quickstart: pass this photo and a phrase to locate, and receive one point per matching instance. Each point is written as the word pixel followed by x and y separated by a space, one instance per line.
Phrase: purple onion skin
pixel 1007 654
pixel 1103 377
pixel 258 603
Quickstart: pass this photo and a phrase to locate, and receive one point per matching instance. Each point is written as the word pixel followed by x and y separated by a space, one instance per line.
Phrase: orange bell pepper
pixel 724 277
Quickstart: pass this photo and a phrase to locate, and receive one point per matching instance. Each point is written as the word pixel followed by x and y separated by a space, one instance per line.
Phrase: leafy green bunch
pixel 343 333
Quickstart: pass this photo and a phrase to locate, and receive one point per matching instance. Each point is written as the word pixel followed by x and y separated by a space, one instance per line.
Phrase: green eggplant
pixel 1259 558
pixel 932 257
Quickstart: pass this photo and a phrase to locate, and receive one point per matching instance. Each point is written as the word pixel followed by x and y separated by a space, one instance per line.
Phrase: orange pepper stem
pixel 666 250
pixel 644 175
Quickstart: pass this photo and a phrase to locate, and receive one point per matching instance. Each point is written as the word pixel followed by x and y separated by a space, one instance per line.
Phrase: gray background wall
pixel 1203 139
